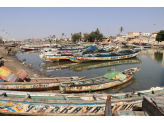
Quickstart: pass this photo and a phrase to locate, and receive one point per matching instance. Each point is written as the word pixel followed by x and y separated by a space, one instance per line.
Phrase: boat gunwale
pixel 12 99
pixel 77 90
pixel 30 83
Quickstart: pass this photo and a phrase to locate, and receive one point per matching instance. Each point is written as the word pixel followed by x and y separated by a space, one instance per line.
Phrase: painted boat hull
pixel 100 84
pixel 35 84
pixel 51 104
pixel 81 59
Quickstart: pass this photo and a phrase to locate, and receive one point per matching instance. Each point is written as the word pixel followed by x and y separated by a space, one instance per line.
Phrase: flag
pixel 110 37
pixel 140 42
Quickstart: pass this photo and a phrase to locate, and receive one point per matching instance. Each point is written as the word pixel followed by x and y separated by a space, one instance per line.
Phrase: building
pixel 124 35
pixel 133 34
pixel 154 34
pixel 144 34
pixel 85 34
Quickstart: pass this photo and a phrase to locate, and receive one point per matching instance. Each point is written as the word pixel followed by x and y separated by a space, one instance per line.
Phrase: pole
pixel 108 109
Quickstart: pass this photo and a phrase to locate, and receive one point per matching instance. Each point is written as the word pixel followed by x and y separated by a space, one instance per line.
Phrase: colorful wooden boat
pixel 42 104
pixel 63 54
pixel 36 83
pixel 97 83
pixel 123 54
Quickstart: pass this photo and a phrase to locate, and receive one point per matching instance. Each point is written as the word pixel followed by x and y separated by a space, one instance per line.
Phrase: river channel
pixel 151 74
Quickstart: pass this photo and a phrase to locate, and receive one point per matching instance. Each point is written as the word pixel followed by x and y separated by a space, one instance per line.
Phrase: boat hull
pixel 52 104
pixel 35 84
pixel 81 59
pixel 99 83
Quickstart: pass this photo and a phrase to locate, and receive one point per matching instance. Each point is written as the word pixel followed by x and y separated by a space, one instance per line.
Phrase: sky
pixel 40 22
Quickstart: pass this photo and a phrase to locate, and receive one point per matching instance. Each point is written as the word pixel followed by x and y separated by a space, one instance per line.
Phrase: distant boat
pixel 123 54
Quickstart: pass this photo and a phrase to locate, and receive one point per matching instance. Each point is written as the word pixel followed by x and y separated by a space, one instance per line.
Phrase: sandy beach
pixel 14 64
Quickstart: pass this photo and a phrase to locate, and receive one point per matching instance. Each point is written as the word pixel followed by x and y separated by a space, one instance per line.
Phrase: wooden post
pixel 108 110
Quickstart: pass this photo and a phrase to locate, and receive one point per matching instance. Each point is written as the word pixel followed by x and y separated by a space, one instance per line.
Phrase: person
pixel 9 50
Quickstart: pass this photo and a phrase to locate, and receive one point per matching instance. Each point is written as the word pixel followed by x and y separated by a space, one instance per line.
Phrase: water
pixel 151 74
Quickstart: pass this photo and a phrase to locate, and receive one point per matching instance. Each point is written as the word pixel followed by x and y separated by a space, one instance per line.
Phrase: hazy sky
pixel 39 22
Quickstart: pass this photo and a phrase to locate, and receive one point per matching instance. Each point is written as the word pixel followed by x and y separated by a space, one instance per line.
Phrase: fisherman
pixel 8 51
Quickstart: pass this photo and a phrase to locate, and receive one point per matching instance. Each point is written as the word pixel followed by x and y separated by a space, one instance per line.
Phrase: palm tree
pixel 97 31
pixel 62 35
pixel 121 29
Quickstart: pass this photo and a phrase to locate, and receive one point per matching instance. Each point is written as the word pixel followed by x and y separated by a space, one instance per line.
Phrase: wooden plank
pixel 108 110
pixel 139 113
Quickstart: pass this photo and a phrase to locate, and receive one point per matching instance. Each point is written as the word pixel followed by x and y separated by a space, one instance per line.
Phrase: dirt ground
pixel 14 64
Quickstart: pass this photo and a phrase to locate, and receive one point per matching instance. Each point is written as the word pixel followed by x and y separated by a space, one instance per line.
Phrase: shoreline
pixel 15 65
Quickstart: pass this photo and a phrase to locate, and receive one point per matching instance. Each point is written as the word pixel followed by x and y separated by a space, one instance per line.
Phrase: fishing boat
pixel 36 47
pixel 64 55
pixel 30 84
pixel 103 82
pixel 123 54
pixel 53 104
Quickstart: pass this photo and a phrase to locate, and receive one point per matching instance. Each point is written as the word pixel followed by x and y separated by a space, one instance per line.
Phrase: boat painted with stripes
pixel 53 104
pixel 30 84
pixel 97 83
pixel 123 54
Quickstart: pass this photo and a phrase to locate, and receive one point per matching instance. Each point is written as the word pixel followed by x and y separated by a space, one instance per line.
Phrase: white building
pixel 124 35
pixel 144 34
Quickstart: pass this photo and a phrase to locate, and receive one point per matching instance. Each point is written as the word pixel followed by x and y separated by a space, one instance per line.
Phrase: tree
pixel 76 36
pixel 93 36
pixel 50 41
pixel 54 36
pixel 62 35
pixel 80 35
pixel 121 29
pixel 160 36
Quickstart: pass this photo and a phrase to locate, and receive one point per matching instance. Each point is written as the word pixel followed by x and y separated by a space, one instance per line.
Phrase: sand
pixel 14 64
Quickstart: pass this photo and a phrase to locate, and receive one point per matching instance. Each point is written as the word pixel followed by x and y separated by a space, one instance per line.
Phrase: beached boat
pixel 98 83
pixel 42 104
pixel 123 54
pixel 36 83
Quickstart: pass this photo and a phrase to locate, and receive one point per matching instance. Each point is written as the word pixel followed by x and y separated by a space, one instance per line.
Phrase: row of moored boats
pixel 70 102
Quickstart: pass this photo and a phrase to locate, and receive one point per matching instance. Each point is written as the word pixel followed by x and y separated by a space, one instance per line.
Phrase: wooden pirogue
pixel 36 83
pixel 19 81
pixel 97 83
pixel 123 54
pixel 35 103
